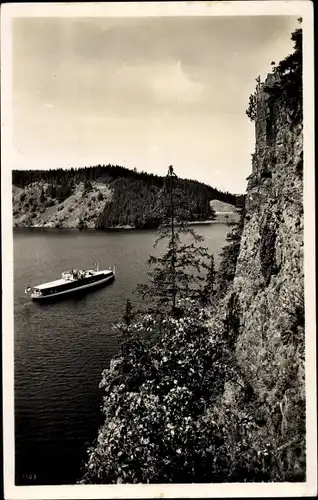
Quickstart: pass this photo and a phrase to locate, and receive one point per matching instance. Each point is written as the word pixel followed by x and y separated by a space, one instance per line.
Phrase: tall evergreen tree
pixel 177 273
pixel 128 314
pixel 209 287
pixel 42 196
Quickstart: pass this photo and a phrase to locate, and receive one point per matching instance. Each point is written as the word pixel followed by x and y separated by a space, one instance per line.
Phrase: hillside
pixel 224 212
pixel 34 207
pixel 101 197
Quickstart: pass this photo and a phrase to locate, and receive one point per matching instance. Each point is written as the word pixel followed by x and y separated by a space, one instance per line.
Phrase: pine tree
pixel 128 314
pixel 209 287
pixel 177 273
pixel 42 196
pixel 229 254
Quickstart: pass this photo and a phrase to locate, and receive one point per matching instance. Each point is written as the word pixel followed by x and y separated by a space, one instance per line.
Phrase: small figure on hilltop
pixel 171 171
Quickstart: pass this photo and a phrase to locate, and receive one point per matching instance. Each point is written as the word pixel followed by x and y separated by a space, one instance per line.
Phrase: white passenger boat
pixel 71 282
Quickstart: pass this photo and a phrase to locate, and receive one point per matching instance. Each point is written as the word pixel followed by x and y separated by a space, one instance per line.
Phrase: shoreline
pixel 117 228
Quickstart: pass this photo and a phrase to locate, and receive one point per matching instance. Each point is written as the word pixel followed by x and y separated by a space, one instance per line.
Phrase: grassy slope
pixel 224 212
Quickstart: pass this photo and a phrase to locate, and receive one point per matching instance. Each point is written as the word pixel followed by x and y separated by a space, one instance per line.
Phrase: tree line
pixel 108 173
pixel 138 204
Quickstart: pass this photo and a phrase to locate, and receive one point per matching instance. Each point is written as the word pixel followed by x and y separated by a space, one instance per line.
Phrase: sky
pixel 143 93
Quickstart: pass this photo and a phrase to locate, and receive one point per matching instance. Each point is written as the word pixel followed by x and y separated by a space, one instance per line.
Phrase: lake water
pixel 61 348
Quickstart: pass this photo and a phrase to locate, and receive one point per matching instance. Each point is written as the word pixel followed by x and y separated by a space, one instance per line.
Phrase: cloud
pixel 173 84
pixel 161 83
pixel 48 105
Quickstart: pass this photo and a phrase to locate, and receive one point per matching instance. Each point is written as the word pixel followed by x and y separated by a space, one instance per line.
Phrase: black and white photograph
pixel 158 249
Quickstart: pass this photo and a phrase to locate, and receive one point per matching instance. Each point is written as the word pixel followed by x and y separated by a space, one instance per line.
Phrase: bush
pixel 87 186
pixel 229 255
pixel 157 392
pixel 251 111
pixel 42 196
pixel 51 190
pixel 166 421
pixel 82 224
pixel 252 107
pixel 287 89
pixel 266 174
pixel 300 166
pixel 232 319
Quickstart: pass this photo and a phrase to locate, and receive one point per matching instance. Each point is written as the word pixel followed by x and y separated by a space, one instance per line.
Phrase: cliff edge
pixel 267 294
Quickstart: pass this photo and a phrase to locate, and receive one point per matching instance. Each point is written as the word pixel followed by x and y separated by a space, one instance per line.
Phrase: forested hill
pixel 101 197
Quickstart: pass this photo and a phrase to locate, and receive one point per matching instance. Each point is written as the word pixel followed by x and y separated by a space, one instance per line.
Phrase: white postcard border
pixel 135 9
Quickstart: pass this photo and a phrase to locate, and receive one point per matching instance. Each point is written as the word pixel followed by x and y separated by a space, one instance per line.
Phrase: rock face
pixel 269 282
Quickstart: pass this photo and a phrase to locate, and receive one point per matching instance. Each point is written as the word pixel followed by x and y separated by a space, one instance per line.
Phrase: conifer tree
pixel 128 314
pixel 209 287
pixel 42 196
pixel 177 273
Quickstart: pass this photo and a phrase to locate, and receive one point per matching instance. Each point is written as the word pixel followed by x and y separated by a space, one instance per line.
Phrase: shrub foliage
pixel 159 391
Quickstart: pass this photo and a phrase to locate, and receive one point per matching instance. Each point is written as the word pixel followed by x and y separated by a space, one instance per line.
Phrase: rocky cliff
pixel 265 303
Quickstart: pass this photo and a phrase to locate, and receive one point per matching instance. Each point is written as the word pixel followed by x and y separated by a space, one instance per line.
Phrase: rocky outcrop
pixel 34 207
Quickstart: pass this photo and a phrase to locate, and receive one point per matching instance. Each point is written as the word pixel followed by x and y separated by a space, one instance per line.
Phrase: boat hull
pixel 72 291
